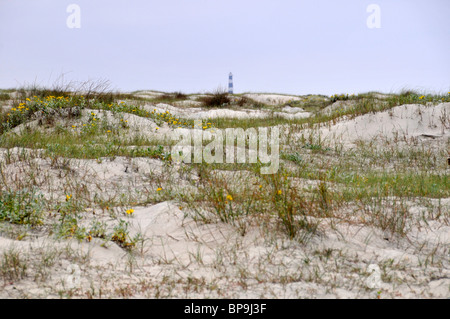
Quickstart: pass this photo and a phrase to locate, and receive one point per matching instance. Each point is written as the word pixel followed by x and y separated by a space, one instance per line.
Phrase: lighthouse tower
pixel 230 83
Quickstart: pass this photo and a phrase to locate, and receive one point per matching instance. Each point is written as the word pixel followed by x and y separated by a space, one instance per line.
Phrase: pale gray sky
pixel 284 46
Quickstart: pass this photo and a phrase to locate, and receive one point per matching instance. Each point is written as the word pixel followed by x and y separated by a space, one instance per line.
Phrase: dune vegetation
pixel 92 204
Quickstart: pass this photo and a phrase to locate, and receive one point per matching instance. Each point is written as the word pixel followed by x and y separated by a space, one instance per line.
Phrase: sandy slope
pixel 272 99
pixel 182 257
pixel 200 113
pixel 401 122
pixel 177 248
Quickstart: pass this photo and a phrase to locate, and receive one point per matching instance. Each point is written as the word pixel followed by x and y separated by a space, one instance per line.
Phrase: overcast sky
pixel 283 46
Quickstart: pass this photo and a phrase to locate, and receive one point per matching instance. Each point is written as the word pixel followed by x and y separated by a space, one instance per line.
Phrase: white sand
pixel 401 122
pixel 272 99
pixel 184 258
pixel 200 113
pixel 177 248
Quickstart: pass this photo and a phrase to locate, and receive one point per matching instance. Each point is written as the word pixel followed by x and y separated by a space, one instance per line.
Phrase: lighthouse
pixel 230 83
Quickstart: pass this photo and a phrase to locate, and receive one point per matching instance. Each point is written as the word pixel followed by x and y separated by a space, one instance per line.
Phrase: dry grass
pixel 73 196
